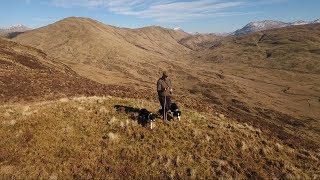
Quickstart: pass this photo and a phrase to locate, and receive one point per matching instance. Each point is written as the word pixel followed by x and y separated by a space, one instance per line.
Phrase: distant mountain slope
pixel 269 24
pixel 270 72
pixel 156 39
pixel 105 53
pixel 293 48
pixel 260 26
pixel 200 41
pixel 13 31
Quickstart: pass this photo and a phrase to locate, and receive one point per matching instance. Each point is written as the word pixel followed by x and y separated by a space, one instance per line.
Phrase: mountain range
pixel 269 24
pixel 256 26
pixel 13 30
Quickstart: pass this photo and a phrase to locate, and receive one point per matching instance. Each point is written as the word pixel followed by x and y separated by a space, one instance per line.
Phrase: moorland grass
pixel 86 138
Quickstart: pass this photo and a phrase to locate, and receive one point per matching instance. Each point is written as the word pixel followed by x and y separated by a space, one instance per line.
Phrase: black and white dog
pixel 175 111
pixel 146 117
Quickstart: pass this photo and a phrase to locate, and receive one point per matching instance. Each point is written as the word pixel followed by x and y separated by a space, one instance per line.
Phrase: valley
pixel 271 75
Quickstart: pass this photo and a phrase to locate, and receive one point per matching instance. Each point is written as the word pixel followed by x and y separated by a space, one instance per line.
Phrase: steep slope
pixel 27 73
pixel 156 39
pixel 105 53
pixel 86 138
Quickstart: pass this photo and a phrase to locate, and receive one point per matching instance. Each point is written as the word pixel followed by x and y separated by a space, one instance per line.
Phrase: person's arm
pixel 159 86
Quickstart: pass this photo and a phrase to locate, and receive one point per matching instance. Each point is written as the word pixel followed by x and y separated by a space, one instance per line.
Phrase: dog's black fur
pixel 173 113
pixel 175 110
pixel 146 117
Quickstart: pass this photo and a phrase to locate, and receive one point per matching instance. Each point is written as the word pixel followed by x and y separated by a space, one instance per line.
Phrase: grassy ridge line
pixel 85 137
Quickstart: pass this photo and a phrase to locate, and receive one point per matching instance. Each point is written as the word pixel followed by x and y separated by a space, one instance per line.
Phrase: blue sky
pixel 191 15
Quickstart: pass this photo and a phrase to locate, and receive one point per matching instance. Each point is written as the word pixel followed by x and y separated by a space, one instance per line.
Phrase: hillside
pixel 200 41
pixel 86 138
pixel 269 79
pixel 105 53
pixel 276 77
pixel 27 73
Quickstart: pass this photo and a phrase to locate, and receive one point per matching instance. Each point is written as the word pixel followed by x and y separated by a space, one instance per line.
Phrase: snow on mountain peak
pixel 260 26
pixel 296 23
pixel 269 24
pixel 6 31
pixel 15 27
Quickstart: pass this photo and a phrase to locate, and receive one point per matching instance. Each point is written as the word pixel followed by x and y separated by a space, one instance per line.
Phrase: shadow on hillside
pixel 133 113
pixel 137 114
pixel 14 34
pixel 127 109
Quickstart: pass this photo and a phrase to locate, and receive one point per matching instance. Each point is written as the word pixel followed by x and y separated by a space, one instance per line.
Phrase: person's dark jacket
pixel 164 86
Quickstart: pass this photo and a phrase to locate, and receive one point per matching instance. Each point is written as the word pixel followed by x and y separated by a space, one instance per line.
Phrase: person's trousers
pixel 163 100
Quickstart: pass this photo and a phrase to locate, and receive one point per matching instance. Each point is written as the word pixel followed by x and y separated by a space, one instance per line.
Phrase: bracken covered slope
pixel 27 74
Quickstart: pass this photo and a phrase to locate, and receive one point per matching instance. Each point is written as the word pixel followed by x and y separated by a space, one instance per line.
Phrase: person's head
pixel 165 74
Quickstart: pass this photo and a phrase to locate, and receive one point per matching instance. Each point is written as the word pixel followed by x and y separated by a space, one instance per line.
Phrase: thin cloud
pixel 43 19
pixel 163 11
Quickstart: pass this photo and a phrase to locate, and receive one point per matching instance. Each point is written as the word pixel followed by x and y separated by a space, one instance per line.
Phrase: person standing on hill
pixel 164 89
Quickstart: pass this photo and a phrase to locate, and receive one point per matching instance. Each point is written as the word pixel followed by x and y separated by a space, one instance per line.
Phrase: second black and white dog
pixel 175 111
pixel 146 117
